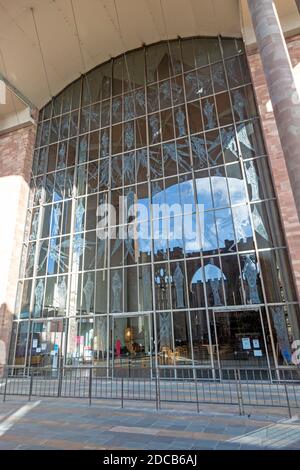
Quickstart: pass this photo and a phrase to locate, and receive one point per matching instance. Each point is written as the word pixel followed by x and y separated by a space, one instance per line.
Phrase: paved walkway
pixel 73 424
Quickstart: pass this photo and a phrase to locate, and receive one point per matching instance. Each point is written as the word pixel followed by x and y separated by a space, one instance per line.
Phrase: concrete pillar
pixel 16 152
pixel 281 85
pixel 278 168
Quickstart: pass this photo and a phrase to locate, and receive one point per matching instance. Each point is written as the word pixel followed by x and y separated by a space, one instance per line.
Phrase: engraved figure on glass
pixel 244 138
pixel 55 220
pixel 128 107
pixel 218 75
pixel 60 295
pixel 128 167
pixel 43 160
pixel 79 217
pixel 239 104
pixel 214 284
pixel 88 291
pixel 104 173
pixel 155 130
pixel 61 156
pixel 140 98
pixel 34 226
pixel 79 246
pixel 116 292
pixel 229 142
pixel 178 278
pixel 165 94
pixel 180 120
pixel 104 144
pixel 129 135
pixel 38 197
pixel 209 114
pixel 30 259
pixel 250 273
pixel 38 294
pixel 116 106
pixel 59 186
pixel 82 150
pixel 176 92
pixel 252 180
pixel 81 180
pixel 198 148
pixel 258 223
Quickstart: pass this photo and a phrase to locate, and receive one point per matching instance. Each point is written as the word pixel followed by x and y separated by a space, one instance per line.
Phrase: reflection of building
pixel 174 123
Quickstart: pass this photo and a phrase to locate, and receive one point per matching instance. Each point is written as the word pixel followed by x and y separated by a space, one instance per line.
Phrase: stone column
pixel 281 85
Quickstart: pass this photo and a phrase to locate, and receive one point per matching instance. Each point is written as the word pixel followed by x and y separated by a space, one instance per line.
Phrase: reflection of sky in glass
pixel 180 227
pixel 210 271
pixel 54 228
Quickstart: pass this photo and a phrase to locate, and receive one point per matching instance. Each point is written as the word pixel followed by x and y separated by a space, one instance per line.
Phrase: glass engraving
pixel 209 113
pixel 180 120
pixel 178 278
pixel 116 292
pixel 38 295
pixel 88 291
pixel 250 274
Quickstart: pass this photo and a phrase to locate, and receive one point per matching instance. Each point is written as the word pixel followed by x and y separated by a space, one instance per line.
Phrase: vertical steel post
pixel 30 386
pixel 5 386
pixel 90 385
pixel 122 393
pixel 196 390
pixel 287 399
pixel 239 391
pixel 60 377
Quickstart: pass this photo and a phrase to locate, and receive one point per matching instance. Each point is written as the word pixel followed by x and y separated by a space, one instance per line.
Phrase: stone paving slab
pixel 73 424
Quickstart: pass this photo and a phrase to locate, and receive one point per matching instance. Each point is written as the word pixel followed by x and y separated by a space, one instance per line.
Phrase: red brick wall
pixel 280 175
pixel 16 153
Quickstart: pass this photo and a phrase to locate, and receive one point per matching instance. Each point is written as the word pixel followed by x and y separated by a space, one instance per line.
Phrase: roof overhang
pixel 103 31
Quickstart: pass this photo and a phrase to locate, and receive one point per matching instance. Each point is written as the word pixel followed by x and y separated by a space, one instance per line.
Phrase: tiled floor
pixel 73 424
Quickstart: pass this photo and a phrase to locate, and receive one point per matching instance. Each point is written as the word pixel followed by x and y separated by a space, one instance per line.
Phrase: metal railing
pixel 242 387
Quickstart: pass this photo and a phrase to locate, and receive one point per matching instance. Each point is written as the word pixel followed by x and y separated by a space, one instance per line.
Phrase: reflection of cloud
pixel 224 226
pixel 219 189
pixel 184 193
pixel 210 272
pixel 242 223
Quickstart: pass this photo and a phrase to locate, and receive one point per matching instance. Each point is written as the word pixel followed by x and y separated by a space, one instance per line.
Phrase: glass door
pixel 131 345
pixel 240 338
pixel 47 341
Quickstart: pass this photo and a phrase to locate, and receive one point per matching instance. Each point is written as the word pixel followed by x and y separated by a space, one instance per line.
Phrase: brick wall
pixel 16 152
pixel 281 180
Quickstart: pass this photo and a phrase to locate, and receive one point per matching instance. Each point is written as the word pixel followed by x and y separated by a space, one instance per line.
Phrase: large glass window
pixel 162 150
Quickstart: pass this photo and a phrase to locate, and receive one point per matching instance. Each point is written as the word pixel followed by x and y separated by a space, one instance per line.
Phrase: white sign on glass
pixel 246 343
